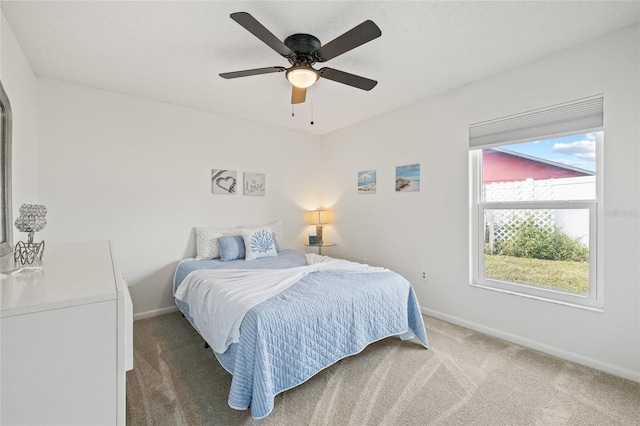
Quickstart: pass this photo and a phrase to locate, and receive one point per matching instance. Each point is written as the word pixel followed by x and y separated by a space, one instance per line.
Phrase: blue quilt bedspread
pixel 325 317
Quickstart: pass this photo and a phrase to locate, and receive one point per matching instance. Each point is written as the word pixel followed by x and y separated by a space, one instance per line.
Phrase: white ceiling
pixel 173 51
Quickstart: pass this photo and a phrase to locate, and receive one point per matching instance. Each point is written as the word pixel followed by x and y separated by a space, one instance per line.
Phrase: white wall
pixel 20 83
pixel 137 172
pixel 429 230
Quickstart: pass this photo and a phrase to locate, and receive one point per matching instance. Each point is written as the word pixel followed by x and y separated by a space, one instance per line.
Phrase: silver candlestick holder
pixel 30 220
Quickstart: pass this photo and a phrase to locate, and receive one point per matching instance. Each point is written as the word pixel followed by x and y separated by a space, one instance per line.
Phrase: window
pixel 5 174
pixel 535 190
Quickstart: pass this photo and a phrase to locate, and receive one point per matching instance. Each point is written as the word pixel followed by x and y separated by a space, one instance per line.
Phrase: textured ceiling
pixel 173 51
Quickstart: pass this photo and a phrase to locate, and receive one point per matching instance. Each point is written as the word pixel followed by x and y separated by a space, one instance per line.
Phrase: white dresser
pixel 66 339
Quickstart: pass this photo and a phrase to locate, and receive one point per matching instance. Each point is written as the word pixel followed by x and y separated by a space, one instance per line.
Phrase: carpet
pixel 465 378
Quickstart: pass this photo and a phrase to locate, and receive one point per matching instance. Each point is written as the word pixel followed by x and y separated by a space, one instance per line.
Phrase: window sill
pixel 590 308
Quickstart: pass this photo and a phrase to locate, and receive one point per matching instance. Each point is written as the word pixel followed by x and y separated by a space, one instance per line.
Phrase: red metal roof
pixel 505 166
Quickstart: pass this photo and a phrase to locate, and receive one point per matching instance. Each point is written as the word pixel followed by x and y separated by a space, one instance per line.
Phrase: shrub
pixel 541 242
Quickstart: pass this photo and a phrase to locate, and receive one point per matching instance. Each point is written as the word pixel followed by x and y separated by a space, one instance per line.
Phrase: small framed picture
pixel 408 178
pixel 254 184
pixel 367 182
pixel 223 181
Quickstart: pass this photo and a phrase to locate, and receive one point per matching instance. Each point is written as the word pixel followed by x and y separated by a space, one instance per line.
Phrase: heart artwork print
pixel 223 181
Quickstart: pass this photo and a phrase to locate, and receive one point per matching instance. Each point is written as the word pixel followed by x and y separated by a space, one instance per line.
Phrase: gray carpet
pixel 465 378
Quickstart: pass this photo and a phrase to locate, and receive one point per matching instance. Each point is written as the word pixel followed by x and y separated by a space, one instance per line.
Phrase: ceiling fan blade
pixel 252 25
pixel 353 38
pixel 256 71
pixel 298 94
pixel 346 78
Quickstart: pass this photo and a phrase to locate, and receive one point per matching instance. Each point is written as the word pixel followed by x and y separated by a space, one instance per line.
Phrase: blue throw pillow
pixel 231 248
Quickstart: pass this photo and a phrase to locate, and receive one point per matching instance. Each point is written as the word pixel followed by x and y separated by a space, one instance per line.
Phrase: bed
pixel 329 309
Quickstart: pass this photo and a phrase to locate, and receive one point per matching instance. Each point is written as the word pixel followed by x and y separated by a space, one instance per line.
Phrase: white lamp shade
pixel 319 217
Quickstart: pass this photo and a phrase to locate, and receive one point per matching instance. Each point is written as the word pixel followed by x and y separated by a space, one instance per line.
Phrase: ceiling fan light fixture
pixel 303 51
pixel 302 77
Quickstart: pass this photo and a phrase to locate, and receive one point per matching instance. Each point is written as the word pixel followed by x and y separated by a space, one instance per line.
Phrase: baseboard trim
pixel 550 350
pixel 154 313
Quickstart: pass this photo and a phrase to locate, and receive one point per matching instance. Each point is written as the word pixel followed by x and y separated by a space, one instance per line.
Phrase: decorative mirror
pixel 5 174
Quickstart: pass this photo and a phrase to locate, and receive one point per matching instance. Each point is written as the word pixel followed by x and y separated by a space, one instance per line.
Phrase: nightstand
pixel 320 246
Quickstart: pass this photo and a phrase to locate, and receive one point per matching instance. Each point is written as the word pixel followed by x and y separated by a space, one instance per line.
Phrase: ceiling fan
pixel 304 50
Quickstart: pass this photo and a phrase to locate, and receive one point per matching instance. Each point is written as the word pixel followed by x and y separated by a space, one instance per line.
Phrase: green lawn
pixel 572 277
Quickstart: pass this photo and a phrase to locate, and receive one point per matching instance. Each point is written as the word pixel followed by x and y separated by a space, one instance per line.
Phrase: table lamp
pixel 31 220
pixel 319 217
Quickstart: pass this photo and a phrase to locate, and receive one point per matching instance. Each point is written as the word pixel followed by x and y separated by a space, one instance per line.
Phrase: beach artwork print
pixel 254 184
pixel 223 181
pixel 408 178
pixel 367 182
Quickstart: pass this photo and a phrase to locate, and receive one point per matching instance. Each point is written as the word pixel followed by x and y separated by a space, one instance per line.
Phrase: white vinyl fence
pixel 500 223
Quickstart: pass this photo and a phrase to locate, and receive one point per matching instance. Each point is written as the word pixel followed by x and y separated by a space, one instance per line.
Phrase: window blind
pixel 582 115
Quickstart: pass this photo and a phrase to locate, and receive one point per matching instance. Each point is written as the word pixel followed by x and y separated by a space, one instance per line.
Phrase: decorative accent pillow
pixel 259 243
pixel 274 227
pixel 231 248
pixel 207 241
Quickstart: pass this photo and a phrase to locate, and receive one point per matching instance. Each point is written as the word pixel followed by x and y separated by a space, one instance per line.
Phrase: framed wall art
pixel 223 181
pixel 254 184
pixel 408 178
pixel 367 182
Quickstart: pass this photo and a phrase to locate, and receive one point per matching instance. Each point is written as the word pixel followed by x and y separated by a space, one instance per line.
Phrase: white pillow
pixel 259 243
pixel 274 227
pixel 207 240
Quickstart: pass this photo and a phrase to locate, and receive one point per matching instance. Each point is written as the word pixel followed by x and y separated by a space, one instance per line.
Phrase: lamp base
pixel 319 234
pixel 28 253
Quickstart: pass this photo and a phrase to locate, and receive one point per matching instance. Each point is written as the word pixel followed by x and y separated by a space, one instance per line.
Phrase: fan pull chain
pixel 293 114
pixel 312 111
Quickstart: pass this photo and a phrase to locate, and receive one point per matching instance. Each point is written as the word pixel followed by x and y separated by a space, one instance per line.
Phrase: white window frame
pixel 594 300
